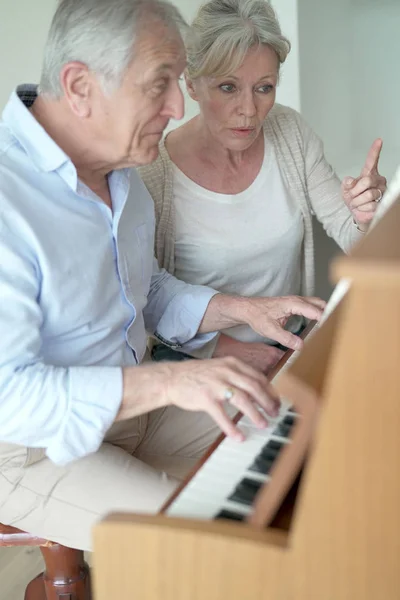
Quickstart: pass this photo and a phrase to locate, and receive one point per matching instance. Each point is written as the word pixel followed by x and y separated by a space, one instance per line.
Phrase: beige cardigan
pixel 309 176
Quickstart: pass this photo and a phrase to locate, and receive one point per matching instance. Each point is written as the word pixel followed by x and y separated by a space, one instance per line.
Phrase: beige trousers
pixel 136 469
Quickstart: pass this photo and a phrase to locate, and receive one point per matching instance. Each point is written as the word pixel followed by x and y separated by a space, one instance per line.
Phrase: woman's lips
pixel 242 132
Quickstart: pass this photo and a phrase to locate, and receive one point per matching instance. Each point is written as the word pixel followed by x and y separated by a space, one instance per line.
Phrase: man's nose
pixel 174 106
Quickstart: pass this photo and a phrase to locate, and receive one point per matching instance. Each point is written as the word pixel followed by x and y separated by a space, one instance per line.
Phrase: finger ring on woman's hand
pixel 229 393
pixel 379 198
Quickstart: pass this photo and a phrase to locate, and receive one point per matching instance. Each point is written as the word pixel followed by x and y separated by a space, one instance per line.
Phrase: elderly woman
pixel 235 188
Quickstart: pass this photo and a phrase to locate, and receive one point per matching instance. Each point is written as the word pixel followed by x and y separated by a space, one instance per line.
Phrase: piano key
pixel 272 421
pixel 257 475
pixel 222 463
pixel 236 507
pixel 273 446
pixel 268 454
pixel 208 491
pixel 206 506
pixel 290 419
pixel 211 488
pixel 203 507
pixel 246 422
pixel 261 465
pixel 217 485
pixel 227 514
pixel 195 508
pixel 245 492
pixel 282 430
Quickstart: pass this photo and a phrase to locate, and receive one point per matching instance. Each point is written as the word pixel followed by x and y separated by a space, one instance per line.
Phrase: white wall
pixel 188 9
pixel 23 29
pixel 375 84
pixel 349 88
pixel 324 34
pixel 289 86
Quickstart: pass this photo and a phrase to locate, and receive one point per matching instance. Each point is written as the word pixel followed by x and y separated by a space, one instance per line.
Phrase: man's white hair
pixel 101 34
pixel 223 31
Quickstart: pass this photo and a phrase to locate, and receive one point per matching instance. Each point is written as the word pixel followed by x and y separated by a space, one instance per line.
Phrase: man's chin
pixel 147 157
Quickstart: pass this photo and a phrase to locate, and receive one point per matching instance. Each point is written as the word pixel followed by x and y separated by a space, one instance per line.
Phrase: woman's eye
pixel 227 87
pixel 265 89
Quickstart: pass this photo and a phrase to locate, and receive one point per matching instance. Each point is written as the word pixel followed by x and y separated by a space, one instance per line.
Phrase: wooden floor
pixel 17 567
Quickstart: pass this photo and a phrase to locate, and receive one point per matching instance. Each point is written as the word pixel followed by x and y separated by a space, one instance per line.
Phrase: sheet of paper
pixel 391 195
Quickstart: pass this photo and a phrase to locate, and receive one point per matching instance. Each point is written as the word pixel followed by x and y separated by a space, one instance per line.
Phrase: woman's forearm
pixel 266 316
pixel 224 311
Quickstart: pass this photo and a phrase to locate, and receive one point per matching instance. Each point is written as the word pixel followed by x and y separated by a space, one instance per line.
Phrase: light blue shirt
pixel 79 288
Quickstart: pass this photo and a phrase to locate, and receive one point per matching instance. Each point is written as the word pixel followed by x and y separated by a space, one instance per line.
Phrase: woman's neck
pixel 211 165
pixel 211 150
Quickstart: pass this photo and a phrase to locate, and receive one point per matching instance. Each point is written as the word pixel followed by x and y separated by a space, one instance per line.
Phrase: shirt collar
pixel 41 148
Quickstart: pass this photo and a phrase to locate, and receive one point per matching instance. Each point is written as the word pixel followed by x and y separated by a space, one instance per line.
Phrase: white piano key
pixel 241 509
pixel 194 509
pixel 256 476
pixel 280 439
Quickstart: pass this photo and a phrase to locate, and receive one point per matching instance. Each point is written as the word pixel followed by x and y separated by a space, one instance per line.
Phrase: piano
pixel 225 487
pixel 307 509
pixel 227 482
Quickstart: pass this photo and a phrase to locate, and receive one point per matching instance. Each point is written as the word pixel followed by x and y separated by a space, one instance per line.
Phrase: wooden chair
pixel 66 575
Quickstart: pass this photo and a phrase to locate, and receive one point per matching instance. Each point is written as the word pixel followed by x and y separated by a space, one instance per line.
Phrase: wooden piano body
pixel 338 536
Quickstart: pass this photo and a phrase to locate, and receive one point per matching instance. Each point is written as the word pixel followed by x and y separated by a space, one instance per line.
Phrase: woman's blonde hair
pixel 223 31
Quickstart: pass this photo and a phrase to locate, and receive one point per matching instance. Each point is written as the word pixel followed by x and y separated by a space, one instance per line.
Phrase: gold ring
pixel 229 393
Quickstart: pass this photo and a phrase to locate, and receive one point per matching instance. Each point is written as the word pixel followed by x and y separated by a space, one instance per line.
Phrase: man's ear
pixel 76 81
pixel 190 86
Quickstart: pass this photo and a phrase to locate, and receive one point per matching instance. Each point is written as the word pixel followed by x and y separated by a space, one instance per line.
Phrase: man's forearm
pixel 144 390
pixel 63 410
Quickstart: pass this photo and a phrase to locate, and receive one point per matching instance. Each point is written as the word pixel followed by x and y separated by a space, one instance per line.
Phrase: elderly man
pixel 84 429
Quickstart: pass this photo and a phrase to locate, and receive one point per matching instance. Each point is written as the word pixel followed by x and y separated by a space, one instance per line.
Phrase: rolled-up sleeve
pixel 175 310
pixel 66 411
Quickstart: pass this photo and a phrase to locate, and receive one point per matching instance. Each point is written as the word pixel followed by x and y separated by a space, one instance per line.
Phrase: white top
pixel 248 243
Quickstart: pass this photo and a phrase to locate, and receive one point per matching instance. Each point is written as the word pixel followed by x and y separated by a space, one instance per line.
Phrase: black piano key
pixel 261 465
pixel 228 514
pixel 289 419
pixel 271 450
pixel 266 458
pixel 273 446
pixel 282 430
pixel 245 491
pixel 268 453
